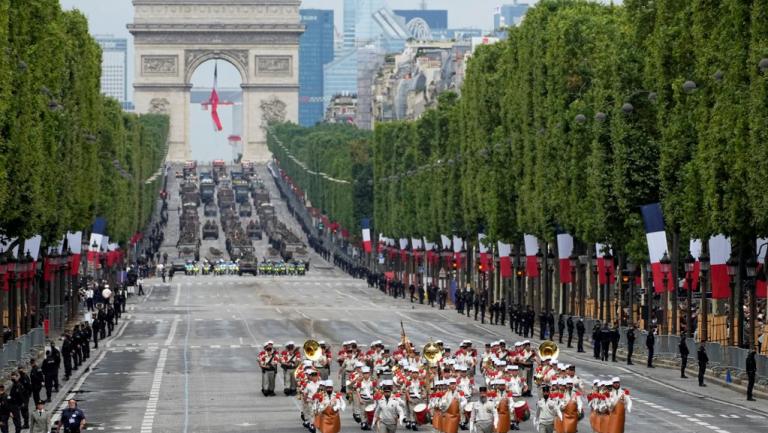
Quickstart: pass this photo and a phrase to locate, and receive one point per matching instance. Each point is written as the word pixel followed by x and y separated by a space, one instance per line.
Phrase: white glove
pixel 402 420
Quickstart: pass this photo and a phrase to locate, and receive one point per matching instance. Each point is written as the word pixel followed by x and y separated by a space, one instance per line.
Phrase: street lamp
pixel 606 302
pixel 689 266
pixel 548 283
pixel 704 265
pixel 751 268
pixel 519 273
pixel 665 270
pixel 584 263
pixel 596 311
pixel 632 271
pixel 539 263
pixel 733 269
pixel 574 262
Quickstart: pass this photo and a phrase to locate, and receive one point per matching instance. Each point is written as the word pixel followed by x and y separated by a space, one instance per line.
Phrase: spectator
pixel 72 418
pixel 751 372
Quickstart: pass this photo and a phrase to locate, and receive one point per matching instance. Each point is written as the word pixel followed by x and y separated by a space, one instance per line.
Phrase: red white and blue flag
pixel 657 244
pixel 695 250
pixel 75 244
pixel 366 224
pixel 564 251
pixel 214 101
pixel 483 251
pixel 761 287
pixel 719 253
pixel 505 261
pixel 98 233
pixel 531 249
pixel 458 246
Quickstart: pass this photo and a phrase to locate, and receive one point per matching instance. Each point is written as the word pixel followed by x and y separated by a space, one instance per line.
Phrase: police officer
pixel 650 342
pixel 751 368
pixel 560 328
pixel 5 409
pixel 580 330
pixel 503 311
pixel 26 392
pixel 683 348
pixel 703 360
pixel 36 378
pixel 630 343
pixel 56 354
pixel 66 354
pixel 483 299
pixel 86 333
pixel 16 401
pixel 569 325
pixel 102 317
pixel 50 374
pixel 615 338
pixel 110 320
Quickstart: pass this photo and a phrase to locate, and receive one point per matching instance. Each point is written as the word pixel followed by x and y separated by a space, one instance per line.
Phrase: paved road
pixel 186 360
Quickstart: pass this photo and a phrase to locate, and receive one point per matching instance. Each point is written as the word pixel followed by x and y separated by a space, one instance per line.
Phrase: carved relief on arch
pixel 194 58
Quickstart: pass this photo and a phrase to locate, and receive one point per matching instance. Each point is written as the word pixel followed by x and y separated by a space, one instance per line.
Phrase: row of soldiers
pixel 403 388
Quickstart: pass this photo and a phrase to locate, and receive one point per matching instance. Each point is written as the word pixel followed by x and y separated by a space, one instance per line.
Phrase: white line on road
pixel 154 393
pixel 174 325
pixel 178 294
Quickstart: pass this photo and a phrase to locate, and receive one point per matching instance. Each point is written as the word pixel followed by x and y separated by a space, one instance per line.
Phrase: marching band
pixel 436 388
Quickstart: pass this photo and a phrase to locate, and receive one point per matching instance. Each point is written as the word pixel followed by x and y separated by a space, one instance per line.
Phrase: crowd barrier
pixel 15 352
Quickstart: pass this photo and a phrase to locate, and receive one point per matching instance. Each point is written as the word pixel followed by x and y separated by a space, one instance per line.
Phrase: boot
pixel 357 418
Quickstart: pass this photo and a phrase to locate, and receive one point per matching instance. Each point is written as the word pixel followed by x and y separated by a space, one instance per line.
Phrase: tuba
pixel 548 350
pixel 312 350
pixel 432 353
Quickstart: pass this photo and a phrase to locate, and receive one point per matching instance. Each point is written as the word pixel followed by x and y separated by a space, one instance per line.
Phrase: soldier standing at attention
pixel 569 325
pixel 683 348
pixel 66 354
pixel 268 361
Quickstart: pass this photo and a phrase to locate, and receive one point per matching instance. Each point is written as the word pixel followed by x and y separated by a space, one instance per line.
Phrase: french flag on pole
pixel 458 245
pixel 719 253
pixel 98 231
pixel 505 261
pixel 75 241
pixel 695 250
pixel 564 251
pixel 483 250
pixel 214 101
pixel 366 224
pixel 531 249
pixel 657 244
pixel 605 265
pixel 761 286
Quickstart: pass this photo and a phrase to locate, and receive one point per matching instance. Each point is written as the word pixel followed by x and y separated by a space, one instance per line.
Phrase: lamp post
pixel 519 273
pixel 665 270
pixel 584 268
pixel 704 283
pixel 574 262
pixel 606 302
pixel 593 289
pixel 733 268
pixel 632 271
pixel 539 263
pixel 751 268
pixel 549 268
pixel 689 265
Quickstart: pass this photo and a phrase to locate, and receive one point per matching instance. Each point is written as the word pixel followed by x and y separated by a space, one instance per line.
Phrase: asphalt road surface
pixel 186 360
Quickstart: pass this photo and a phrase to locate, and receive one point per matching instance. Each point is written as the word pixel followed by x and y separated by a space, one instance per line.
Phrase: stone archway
pixel 259 37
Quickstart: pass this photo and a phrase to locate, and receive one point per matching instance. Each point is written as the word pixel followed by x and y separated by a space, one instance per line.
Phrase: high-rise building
pixel 340 76
pixel 509 15
pixel 315 51
pixel 114 68
pixel 370 22
pixel 437 19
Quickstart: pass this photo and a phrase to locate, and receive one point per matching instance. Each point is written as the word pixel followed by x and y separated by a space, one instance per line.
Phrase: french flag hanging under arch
pixel 719 253
pixel 214 101
pixel 366 225
pixel 657 244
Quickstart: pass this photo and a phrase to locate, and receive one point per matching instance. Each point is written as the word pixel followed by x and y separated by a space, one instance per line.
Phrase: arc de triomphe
pixel 259 37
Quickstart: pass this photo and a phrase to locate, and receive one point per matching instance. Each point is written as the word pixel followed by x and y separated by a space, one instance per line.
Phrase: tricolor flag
pixel 531 250
pixel 75 244
pixel 458 246
pixel 446 242
pixel 98 232
pixel 366 224
pixel 695 249
pixel 483 251
pixel 719 253
pixel 214 101
pixel 505 261
pixel 564 250
pixel 657 244
pixel 429 247
pixel 604 265
pixel 760 285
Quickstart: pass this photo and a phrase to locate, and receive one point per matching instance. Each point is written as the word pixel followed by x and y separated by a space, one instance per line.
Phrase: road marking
pixel 154 393
pixel 174 325
pixel 729 416
pixel 178 294
pixel 703 415
pixel 755 416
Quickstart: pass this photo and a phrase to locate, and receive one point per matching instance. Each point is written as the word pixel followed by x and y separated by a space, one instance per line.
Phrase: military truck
pixel 219 170
pixel 247 263
pixel 207 190
pixel 242 190
pixel 253 230
pixel 210 230
pixel 190 169
pixel 226 198
pixel 245 210
pixel 210 210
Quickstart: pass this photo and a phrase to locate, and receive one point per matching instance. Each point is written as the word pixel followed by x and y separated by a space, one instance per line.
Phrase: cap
pixel 269 343
pixel 518 343
pixel 366 369
pixel 321 342
pixel 451 380
pixel 359 364
pixel 615 379
pixel 526 342
pixel 328 383
pixel 290 343
pixel 596 381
